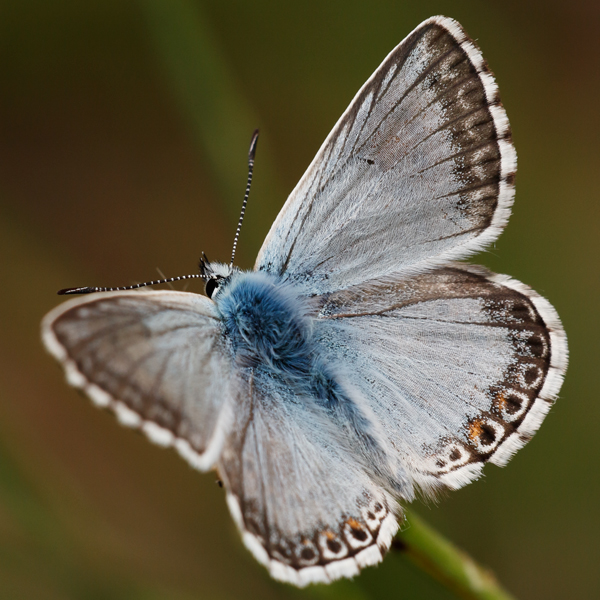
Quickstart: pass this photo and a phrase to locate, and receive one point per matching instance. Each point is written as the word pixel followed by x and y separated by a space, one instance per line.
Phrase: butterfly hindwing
pixel 157 359
pixel 418 171
pixel 459 365
pixel 305 507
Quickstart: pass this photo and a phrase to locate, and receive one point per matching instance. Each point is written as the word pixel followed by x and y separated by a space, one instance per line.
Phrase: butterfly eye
pixel 211 286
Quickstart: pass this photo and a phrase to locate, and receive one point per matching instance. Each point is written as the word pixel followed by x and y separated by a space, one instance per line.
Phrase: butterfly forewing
pixel 157 359
pixel 459 365
pixel 418 171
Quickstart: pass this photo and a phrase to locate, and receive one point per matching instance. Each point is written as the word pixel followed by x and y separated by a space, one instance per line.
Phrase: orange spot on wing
pixel 475 430
pixel 501 400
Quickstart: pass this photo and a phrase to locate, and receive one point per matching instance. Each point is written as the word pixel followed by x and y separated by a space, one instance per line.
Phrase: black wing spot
pixel 455 454
pixel 513 404
pixel 307 554
pixel 359 534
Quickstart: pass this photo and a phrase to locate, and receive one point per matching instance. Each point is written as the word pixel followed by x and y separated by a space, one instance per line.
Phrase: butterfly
pixel 359 363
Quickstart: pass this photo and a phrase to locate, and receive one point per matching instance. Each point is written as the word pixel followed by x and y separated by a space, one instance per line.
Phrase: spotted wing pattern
pixel 460 365
pixel 417 172
pixel 156 359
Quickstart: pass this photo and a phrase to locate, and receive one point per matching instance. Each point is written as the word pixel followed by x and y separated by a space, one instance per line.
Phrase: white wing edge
pixel 559 358
pixel 125 415
pixel 348 567
pixel 508 154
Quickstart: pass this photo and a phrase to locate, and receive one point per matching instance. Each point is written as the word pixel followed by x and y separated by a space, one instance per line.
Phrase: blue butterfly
pixel 358 363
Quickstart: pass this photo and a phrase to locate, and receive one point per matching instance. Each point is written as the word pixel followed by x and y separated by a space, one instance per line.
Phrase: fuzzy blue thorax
pixel 266 324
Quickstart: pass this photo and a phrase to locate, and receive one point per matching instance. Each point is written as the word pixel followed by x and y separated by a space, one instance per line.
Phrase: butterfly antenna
pixel 204 264
pixel 91 290
pixel 251 154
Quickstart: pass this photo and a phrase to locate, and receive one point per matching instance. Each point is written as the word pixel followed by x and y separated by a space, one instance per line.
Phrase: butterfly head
pixel 215 275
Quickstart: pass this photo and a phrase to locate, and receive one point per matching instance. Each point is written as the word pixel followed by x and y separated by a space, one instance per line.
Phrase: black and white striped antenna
pixel 91 290
pixel 251 154
pixel 204 264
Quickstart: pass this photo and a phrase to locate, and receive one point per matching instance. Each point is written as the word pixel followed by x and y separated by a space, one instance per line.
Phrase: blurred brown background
pixel 124 128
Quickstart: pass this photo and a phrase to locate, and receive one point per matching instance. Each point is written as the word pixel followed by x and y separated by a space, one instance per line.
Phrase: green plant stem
pixel 446 563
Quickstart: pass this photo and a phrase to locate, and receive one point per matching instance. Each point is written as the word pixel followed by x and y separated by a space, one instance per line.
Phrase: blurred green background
pixel 124 128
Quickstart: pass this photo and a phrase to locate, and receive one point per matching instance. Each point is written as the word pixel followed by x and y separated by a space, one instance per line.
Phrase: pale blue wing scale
pixel 459 365
pixel 157 359
pixel 303 503
pixel 417 172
